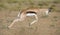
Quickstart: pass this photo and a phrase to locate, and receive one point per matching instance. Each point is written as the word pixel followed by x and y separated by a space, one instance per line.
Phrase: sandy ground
pixel 45 26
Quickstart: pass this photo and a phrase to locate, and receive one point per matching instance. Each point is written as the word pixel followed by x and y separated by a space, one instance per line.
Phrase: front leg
pixel 35 20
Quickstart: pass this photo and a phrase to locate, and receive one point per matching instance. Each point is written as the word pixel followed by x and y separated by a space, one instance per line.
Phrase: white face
pixel 47 12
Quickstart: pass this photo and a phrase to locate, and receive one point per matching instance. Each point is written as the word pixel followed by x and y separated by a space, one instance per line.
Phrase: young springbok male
pixel 29 12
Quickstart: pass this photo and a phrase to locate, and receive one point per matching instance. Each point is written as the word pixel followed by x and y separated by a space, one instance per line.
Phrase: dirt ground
pixel 49 25
pixel 46 25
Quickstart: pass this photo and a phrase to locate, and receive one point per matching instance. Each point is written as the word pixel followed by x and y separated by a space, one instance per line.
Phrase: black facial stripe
pixel 31 12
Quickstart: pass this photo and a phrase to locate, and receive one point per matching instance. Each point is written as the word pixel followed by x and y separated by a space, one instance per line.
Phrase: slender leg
pixel 16 20
pixel 35 20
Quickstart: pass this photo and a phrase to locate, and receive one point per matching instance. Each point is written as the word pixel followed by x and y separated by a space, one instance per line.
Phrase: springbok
pixel 29 12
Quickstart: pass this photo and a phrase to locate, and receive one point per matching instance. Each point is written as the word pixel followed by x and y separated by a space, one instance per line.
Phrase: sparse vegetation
pixel 12 1
pixel 2 6
pixel 10 8
pixel 55 17
pixel 15 4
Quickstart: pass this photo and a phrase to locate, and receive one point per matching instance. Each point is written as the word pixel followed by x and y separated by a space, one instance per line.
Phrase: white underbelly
pixel 30 14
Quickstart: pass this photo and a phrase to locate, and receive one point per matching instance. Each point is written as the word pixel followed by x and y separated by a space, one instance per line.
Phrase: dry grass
pixel 49 25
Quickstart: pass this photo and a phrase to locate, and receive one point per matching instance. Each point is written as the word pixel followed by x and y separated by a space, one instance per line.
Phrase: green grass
pixel 9 9
pixel 16 4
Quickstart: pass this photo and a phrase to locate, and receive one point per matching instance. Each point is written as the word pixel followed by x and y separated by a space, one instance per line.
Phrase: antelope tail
pixel 22 17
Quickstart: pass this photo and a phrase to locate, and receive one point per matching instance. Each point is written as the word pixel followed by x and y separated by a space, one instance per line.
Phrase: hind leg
pixel 34 20
pixel 16 20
